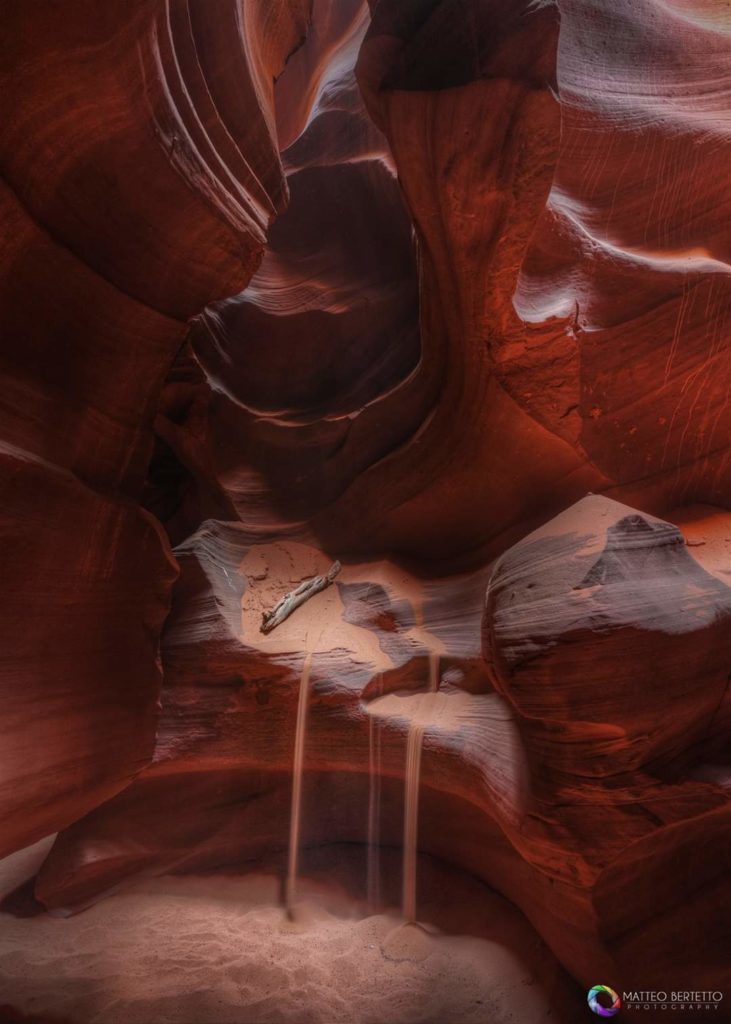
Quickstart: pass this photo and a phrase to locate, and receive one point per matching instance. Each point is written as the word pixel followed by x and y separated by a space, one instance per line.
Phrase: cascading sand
pixel 297 768
pixel 374 813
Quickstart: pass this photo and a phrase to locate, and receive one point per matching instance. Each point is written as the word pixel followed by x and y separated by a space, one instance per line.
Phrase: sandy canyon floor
pixel 220 950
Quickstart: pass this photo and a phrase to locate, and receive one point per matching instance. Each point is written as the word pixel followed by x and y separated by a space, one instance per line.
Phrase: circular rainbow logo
pixel 610 997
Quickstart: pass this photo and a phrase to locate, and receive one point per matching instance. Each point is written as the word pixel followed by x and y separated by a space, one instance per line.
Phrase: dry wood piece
pixel 292 600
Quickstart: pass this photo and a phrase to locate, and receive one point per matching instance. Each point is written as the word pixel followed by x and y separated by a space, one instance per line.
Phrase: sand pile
pixel 219 950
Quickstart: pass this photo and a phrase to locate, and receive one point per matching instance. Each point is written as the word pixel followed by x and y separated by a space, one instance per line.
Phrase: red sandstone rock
pixel 582 369
pixel 140 174
pixel 612 644
pixel 594 746
pixel 627 261
pixel 87 591
pixel 128 213
pixel 314 370
pixel 594 355
pixel 621 590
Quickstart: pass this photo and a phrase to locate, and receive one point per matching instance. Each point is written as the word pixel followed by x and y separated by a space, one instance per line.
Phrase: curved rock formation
pixel 611 643
pixel 88 583
pixel 313 372
pixel 487 117
pixel 140 173
pixel 133 211
pixel 596 356
pixel 628 261
pixel 307 338
pixel 608 648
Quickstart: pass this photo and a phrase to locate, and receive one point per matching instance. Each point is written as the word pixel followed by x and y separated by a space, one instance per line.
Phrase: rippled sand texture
pixel 221 951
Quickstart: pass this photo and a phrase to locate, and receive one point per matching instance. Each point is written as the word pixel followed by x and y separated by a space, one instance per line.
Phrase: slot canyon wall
pixel 439 288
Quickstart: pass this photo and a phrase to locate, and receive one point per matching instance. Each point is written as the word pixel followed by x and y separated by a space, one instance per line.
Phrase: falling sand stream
pixel 483 724
pixel 297 768
pixel 412 778
pixel 374 813
pixel 411 816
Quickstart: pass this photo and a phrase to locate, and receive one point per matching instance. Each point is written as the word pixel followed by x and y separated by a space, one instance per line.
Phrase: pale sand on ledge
pixel 219 950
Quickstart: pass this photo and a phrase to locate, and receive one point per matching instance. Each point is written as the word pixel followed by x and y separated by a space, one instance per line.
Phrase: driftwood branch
pixel 292 600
